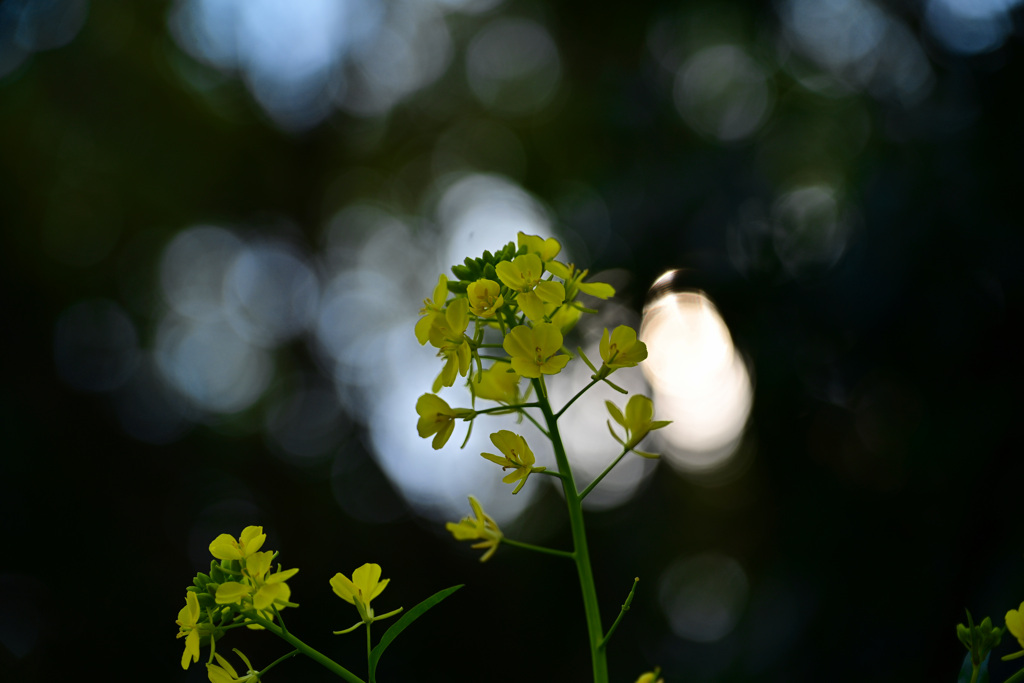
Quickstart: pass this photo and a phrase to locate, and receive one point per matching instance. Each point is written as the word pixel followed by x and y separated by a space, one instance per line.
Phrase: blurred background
pixel 220 219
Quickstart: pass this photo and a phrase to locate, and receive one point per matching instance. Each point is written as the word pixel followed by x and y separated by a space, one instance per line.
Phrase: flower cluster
pixel 503 319
pixel 242 588
pixel 520 292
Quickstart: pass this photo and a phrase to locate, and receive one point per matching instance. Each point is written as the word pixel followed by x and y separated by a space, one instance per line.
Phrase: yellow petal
pixel 191 653
pixel 343 587
pixel 231 592
pixel 520 343
pixel 548 338
pixel 252 539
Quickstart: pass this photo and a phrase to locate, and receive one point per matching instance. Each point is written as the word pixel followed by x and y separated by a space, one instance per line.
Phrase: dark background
pixel 884 495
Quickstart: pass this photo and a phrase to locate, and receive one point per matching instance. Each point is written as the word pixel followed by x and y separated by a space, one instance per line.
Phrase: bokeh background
pixel 220 218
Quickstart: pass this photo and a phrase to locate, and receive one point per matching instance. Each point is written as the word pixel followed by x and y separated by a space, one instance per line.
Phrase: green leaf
pixel 967 669
pixel 403 623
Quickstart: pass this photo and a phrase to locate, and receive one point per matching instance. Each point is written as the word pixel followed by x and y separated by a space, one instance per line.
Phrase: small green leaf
pixel 403 623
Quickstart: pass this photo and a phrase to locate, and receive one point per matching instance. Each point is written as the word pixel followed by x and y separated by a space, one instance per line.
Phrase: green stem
pixel 603 474
pixel 622 613
pixel 535 423
pixel 511 409
pixel 573 399
pixel 318 657
pixel 537 548
pixel 276 662
pixel 1016 678
pixel 581 553
pixel 369 650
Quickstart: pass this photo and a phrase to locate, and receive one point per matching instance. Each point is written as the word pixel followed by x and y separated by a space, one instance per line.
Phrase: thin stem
pixel 581 553
pixel 279 618
pixel 536 424
pixel 1016 678
pixel 573 399
pixel 277 661
pixel 369 650
pixel 539 549
pixel 498 409
pixel 603 474
pixel 622 613
pixel 318 657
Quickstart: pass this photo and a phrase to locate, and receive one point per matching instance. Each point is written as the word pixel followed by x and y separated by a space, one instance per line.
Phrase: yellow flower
pixel 522 273
pixel 621 349
pixel 271 588
pixel 543 301
pixel 637 422
pixel 651 677
pixel 546 249
pixel 518 456
pixel 225 673
pixel 1015 623
pixel 574 282
pixel 566 317
pixel 481 527
pixel 533 350
pixel 258 586
pixel 188 627
pixel 432 308
pixel 485 298
pixel 438 418
pixel 364 586
pixel 225 547
pixel 448 335
pixel 497 383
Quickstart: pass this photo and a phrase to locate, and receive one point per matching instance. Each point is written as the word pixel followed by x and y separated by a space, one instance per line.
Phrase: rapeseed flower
pixel 432 308
pixel 188 627
pixel 223 672
pixel 534 350
pixel 485 298
pixel 620 349
pixel 448 335
pixel 546 249
pixel 542 301
pixel 225 547
pixel 362 588
pixel 482 527
pixel 636 421
pixel 437 418
pixel 517 456
pixel 574 282
pixel 497 383
pixel 522 273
